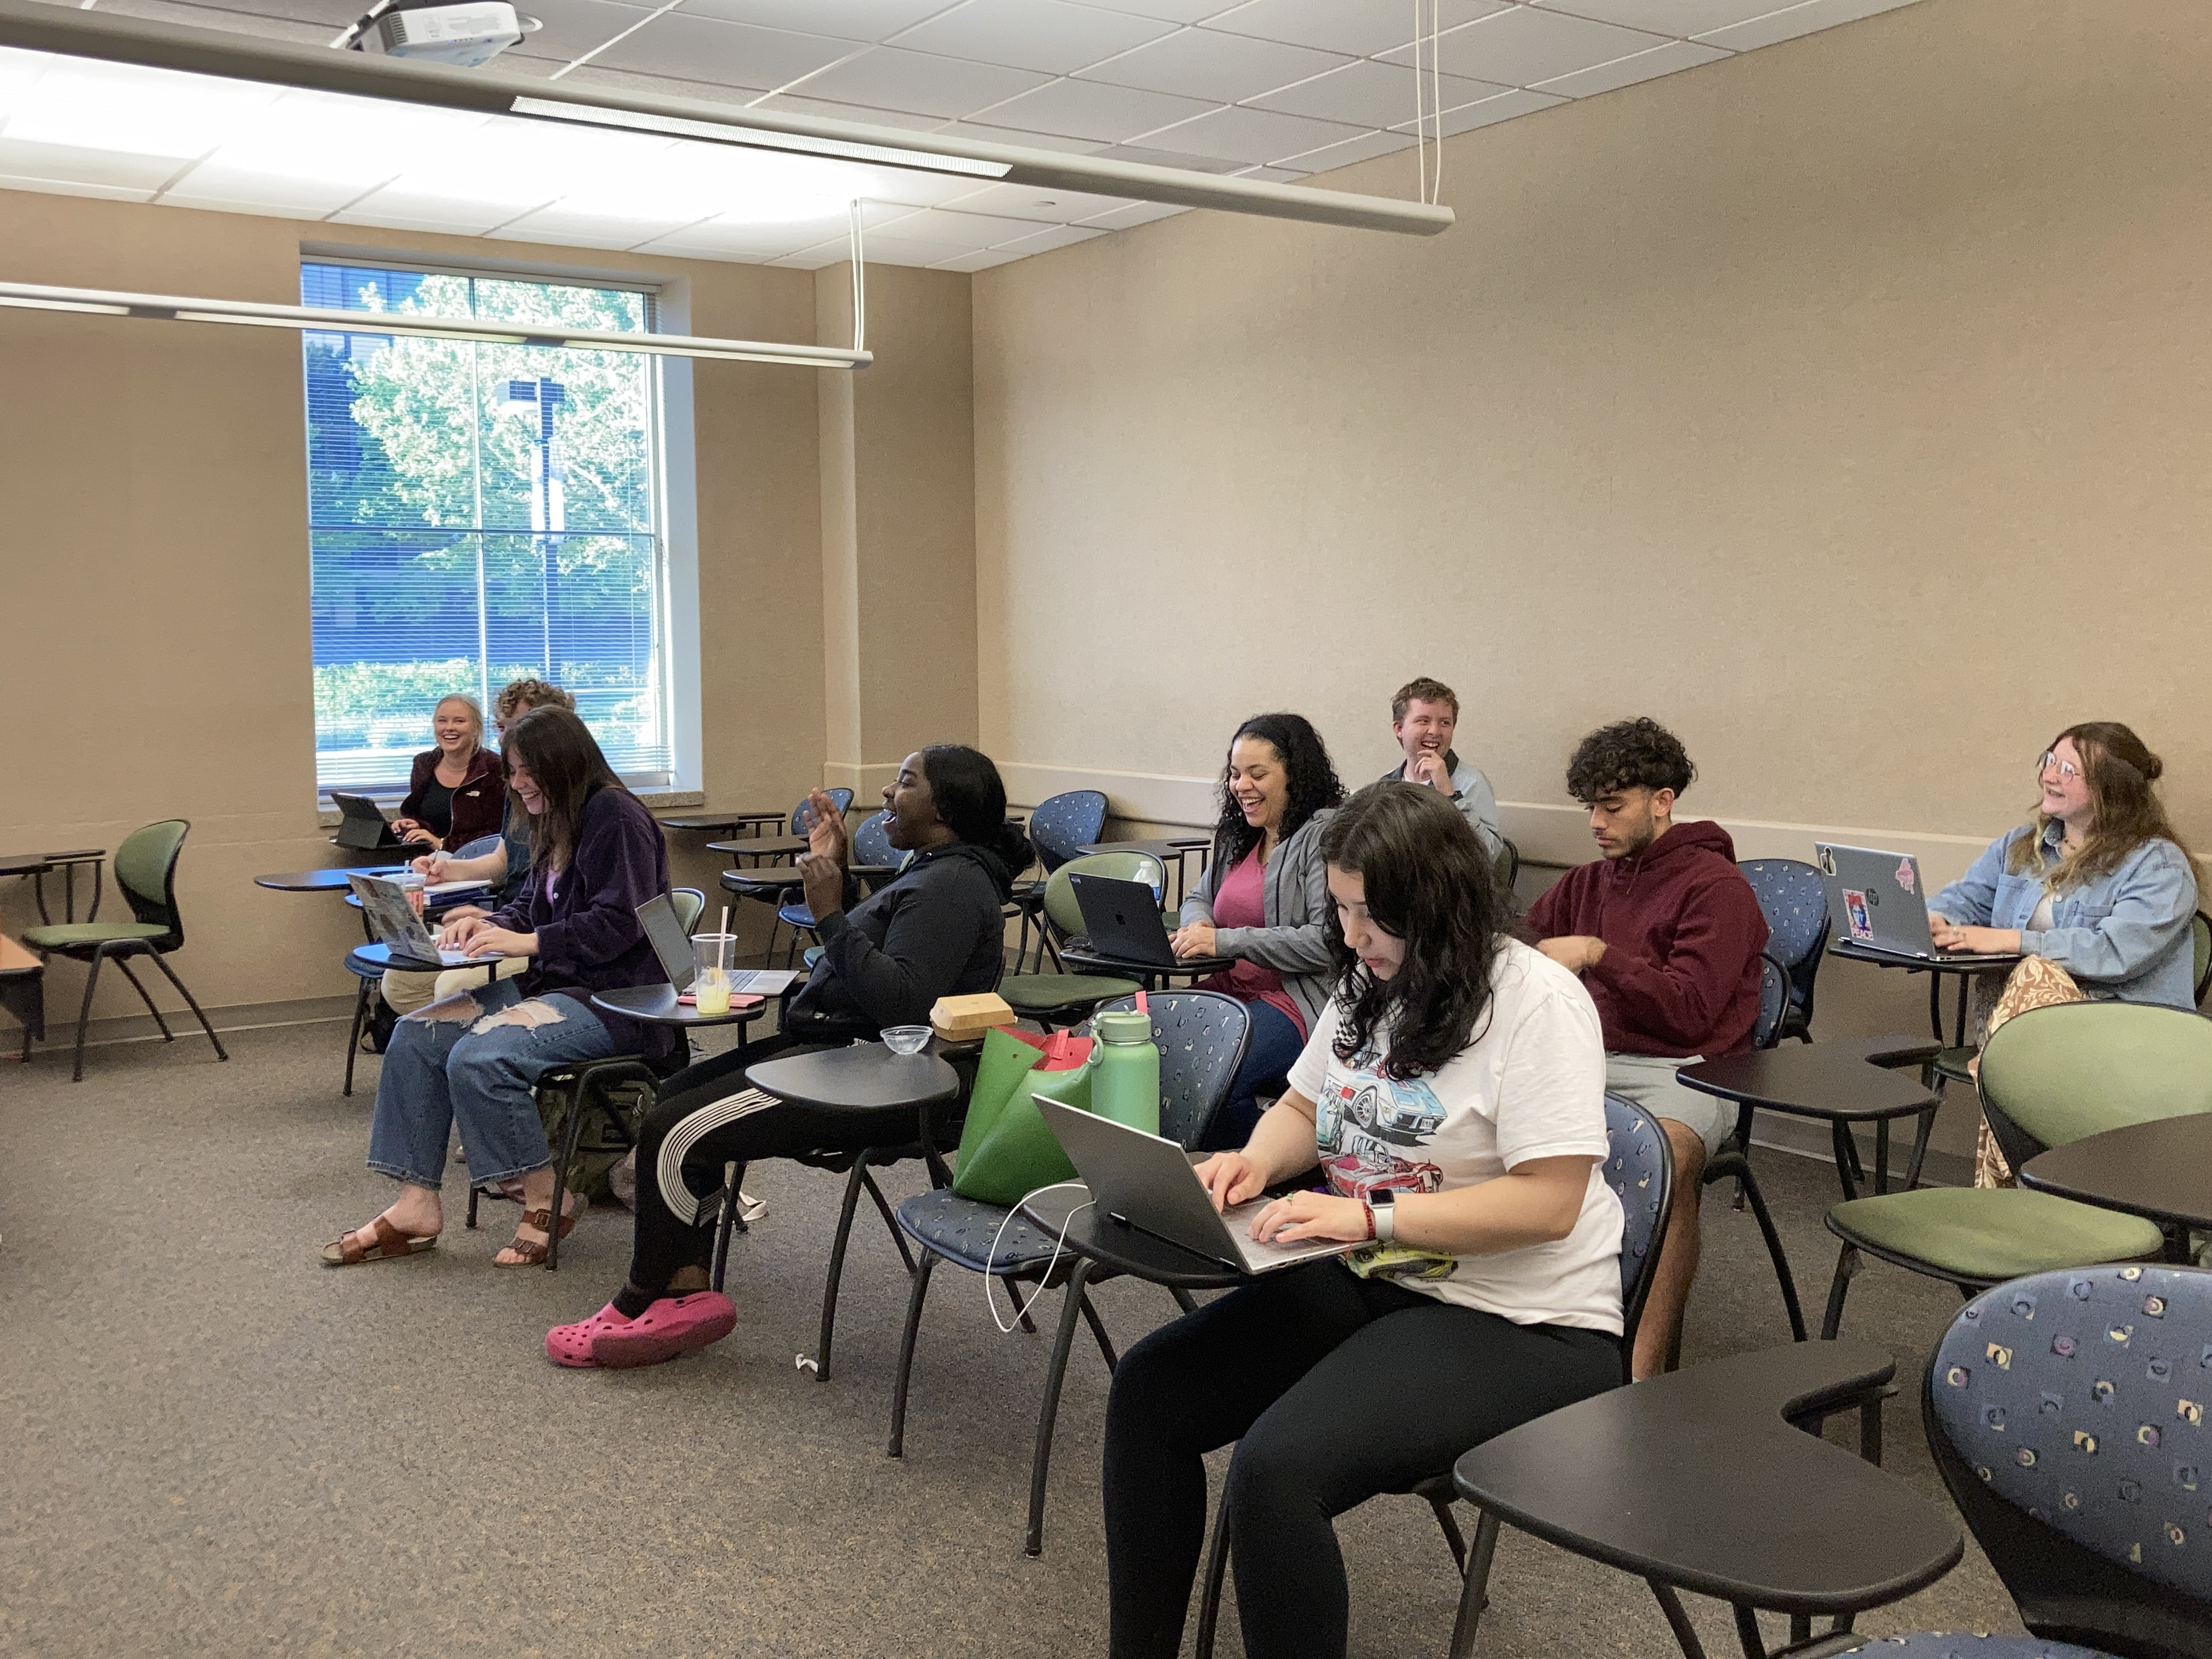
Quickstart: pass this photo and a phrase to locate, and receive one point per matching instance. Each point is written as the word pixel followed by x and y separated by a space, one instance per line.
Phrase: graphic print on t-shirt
pixel 1369 1129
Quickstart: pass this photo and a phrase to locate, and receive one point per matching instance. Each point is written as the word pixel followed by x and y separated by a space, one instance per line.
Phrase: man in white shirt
pixel 1423 716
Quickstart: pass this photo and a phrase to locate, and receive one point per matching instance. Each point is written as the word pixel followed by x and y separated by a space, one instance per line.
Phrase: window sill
pixel 656 800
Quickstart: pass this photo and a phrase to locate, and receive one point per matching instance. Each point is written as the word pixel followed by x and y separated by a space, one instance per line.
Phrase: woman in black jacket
pixel 936 931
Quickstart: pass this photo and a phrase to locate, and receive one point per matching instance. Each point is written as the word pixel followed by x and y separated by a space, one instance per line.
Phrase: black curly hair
pixel 1313 784
pixel 1429 882
pixel 1627 755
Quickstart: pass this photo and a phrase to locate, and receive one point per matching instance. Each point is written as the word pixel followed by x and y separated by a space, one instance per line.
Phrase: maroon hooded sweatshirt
pixel 1682 931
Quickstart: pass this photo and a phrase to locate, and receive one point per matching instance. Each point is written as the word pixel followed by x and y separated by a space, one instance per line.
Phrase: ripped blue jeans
pixel 473 1059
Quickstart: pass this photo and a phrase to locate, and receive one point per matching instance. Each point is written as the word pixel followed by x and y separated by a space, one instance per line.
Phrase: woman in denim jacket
pixel 2097 881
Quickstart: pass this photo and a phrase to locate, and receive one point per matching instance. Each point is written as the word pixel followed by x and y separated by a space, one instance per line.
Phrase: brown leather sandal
pixel 532 1250
pixel 388 1244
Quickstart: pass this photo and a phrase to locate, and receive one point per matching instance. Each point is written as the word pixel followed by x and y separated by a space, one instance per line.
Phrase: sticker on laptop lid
pixel 1856 916
pixel 1904 874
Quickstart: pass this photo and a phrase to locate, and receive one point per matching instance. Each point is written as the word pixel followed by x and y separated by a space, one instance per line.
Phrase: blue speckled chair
pixel 1058 828
pixel 1640 1170
pixel 1201 1035
pixel 1795 906
pixel 2066 1414
pixel 872 846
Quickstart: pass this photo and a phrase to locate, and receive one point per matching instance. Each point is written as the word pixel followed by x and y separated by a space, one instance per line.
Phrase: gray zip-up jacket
pixel 1296 899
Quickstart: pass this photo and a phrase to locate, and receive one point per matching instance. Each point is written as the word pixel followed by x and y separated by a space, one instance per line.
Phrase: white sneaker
pixel 750 1209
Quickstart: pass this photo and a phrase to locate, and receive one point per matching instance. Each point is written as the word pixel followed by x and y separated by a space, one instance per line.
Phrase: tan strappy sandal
pixel 387 1244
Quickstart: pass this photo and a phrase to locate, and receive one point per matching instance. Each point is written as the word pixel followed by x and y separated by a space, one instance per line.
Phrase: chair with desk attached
pixel 1201 1035
pixel 1639 1167
pixel 146 874
pixel 2049 1077
pixel 872 851
pixel 368 963
pixel 1058 828
pixel 777 887
pixel 1065 999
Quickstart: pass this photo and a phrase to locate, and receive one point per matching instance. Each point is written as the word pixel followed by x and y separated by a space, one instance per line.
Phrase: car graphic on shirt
pixel 1372 1168
pixel 1405 1113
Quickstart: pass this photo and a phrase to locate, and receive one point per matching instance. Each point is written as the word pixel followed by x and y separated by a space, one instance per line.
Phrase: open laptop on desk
pixel 681 963
pixel 1121 920
pixel 362 825
pixel 1877 903
pixel 1146 1183
pixel 385 903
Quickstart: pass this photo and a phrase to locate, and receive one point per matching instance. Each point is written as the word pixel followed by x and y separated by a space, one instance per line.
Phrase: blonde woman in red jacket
pixel 457 793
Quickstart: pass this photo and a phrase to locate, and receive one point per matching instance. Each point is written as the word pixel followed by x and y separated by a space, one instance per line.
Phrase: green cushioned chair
pixel 1068 999
pixel 2048 1076
pixel 146 873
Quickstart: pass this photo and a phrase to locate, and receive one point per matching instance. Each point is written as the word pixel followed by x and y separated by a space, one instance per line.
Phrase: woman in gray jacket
pixel 1264 900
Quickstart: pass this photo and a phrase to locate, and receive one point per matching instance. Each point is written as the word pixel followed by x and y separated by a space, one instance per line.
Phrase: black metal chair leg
pixel 84 1012
pixel 1847 1263
pixel 170 974
pixel 1098 1330
pixel 1021 1309
pixel 474 1193
pixel 1184 1299
pixel 727 1223
pixel 891 1221
pixel 1216 1569
pixel 1746 1632
pixel 1474 1589
pixel 123 967
pixel 352 1036
pixel 913 1300
pixel 1048 1413
pixel 1870 1429
pixel 1919 1149
pixel 1440 1503
pixel 1781 1273
pixel 854 1183
pixel 575 1132
pixel 1686 1635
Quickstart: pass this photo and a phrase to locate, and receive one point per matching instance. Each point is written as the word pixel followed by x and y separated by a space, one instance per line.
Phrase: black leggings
pixel 1335 1388
pixel 666 1238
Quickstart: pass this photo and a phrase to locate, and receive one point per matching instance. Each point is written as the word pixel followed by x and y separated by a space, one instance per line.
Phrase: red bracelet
pixel 1368 1210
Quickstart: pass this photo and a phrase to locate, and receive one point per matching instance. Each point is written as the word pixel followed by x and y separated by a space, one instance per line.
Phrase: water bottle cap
pixel 1126 1026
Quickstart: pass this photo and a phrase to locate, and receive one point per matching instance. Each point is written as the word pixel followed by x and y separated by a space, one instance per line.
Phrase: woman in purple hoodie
pixel 596 856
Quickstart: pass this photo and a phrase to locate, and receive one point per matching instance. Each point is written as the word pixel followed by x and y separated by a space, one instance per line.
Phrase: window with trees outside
pixel 479 514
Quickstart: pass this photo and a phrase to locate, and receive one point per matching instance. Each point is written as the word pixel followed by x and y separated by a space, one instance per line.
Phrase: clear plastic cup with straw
pixel 710 989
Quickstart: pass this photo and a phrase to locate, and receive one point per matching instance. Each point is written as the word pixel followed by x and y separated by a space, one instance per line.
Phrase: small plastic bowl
pixel 906 1039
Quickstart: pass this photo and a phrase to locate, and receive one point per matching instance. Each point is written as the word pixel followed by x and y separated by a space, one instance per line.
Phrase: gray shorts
pixel 1648 1081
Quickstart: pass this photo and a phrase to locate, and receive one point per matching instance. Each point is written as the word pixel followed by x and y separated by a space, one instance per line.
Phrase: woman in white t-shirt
pixel 1452 1096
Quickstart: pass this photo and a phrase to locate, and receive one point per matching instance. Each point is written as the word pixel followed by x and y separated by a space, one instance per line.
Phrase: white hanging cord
pixel 859 283
pixel 1428 102
pixel 1059 1243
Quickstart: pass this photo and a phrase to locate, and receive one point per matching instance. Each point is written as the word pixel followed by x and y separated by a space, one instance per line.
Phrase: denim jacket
pixel 2123 936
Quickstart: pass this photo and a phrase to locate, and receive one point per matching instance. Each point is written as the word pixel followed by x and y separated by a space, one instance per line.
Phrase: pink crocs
pixel 672 1325
pixel 571 1345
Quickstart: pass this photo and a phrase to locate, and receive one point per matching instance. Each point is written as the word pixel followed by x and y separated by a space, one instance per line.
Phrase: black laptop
pixel 363 827
pixel 1121 919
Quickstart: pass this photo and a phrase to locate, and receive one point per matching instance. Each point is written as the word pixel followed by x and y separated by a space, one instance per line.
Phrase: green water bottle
pixel 1125 1082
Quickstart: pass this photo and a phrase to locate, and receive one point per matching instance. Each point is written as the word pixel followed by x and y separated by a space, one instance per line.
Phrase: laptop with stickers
pixel 1877 903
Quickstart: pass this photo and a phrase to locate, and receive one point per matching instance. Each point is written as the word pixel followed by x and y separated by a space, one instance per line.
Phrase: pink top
pixel 1240 901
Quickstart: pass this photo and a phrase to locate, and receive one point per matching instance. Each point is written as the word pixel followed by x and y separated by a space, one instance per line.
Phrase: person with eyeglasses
pixel 2096 882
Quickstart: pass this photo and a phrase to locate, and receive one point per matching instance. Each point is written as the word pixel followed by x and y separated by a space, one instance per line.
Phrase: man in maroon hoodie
pixel 1666 933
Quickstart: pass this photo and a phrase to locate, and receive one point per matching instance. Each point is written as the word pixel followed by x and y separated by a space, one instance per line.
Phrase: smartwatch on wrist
pixel 1383 1204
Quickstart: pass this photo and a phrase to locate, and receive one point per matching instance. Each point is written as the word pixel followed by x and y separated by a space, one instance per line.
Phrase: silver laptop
pixel 1146 1183
pixel 680 962
pixel 1877 901
pixel 385 903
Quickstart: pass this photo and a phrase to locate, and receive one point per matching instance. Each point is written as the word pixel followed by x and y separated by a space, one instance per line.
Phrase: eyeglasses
pixel 2066 768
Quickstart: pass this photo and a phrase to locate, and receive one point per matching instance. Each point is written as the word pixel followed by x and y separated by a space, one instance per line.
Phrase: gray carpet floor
pixel 215 1446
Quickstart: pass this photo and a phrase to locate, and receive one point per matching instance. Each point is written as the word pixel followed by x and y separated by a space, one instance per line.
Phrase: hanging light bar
pixel 170 307
pixel 36 26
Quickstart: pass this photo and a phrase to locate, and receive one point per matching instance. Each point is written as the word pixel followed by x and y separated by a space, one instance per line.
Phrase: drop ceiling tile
pixel 732 54
pixel 1044 241
pixel 70 187
pixel 1147 155
pixel 954 231
pixel 1137 213
pixel 573 27
pixel 1684 17
pixel 1788 24
pixel 1029 139
pixel 111 169
pixel 422 210
pixel 983 261
pixel 1627 71
pixel 236 189
pixel 889 250
pixel 1522 47
pixel 1371 95
pixel 1036 201
pixel 1092 110
pixel 1365 28
pixel 1221 69
pixel 1034 34
pixel 717 240
pixel 1286 173
pixel 1255 135
pixel 905 120
pixel 1487 112
pixel 888 78
pixel 306 26
pixel 1365 148
pixel 1174 11
pixel 593 75
pixel 557 223
pixel 849 20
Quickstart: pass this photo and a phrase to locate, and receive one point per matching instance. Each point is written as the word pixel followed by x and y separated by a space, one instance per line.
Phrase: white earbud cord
pixel 1058 1245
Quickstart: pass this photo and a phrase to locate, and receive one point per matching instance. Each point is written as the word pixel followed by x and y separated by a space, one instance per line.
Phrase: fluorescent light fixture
pixel 36 26
pixel 168 308
pixel 760 138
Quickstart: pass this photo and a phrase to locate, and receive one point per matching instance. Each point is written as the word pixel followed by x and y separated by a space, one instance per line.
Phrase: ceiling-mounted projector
pixel 464 35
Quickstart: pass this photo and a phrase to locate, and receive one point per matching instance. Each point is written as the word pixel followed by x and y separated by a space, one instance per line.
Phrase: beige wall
pixel 154 558
pixel 1843 405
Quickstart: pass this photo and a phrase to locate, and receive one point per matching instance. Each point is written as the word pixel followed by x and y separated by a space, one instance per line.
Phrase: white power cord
pixel 1428 102
pixel 1059 1244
